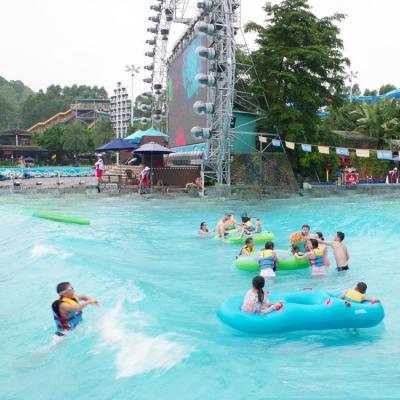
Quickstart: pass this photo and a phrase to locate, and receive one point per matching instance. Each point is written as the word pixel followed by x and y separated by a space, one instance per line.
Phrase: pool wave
pixel 136 352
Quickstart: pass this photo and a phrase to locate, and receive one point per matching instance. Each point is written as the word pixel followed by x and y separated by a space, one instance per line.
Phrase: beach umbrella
pixel 152 148
pixel 117 145
pixel 138 135
pixel 29 159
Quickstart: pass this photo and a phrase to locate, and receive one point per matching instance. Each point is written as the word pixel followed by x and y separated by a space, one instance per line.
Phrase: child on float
pixel 255 300
pixel 268 260
pixel 357 294
pixel 248 248
pixel 315 257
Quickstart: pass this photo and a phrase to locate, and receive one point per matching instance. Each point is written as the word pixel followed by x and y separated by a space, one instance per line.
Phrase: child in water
pixel 248 249
pixel 204 231
pixel 255 301
pixel 323 247
pixel 315 257
pixel 357 294
pixel 267 261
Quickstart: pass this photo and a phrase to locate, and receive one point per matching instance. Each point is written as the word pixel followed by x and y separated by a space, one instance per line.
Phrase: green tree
pixel 50 139
pixel 75 139
pixel 300 65
pixel 368 92
pixel 379 120
pixel 6 113
pixel 44 104
pixel 386 88
pixel 101 133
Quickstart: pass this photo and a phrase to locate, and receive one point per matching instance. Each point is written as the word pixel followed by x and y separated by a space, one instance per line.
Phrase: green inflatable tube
pixel 61 218
pixel 258 237
pixel 286 262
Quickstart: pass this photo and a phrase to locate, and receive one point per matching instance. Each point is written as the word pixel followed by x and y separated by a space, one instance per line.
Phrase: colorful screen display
pixel 183 92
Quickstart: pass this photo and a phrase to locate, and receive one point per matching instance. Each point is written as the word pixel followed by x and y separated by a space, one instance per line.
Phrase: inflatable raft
pixel 286 262
pixel 302 310
pixel 258 237
pixel 61 218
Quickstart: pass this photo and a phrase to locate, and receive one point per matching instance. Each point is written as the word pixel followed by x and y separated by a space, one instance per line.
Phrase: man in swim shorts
pixel 221 226
pixel 339 251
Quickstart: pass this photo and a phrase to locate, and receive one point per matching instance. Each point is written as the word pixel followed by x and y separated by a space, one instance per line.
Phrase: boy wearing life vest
pixel 357 294
pixel 315 257
pixel 248 249
pixel 267 261
pixel 67 310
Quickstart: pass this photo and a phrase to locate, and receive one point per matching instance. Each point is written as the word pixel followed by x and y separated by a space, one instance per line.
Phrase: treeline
pixel 75 138
pixel 21 108
pixel 300 70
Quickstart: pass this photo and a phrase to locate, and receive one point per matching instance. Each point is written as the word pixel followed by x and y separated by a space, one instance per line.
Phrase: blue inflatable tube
pixel 302 310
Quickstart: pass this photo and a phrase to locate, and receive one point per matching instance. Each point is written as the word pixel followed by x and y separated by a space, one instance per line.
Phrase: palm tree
pixel 379 120
pixel 102 132
pixel 75 138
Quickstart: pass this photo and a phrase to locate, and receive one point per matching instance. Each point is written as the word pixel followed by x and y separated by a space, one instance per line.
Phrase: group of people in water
pixel 304 245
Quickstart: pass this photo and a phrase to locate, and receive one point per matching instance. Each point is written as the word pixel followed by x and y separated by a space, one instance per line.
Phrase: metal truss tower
pixel 167 12
pixel 220 24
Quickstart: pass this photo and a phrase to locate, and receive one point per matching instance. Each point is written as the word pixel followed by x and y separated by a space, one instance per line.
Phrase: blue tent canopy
pixel 138 135
pixel 116 145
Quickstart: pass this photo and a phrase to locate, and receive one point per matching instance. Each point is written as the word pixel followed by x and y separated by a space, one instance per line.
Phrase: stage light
pixel 151 42
pixel 205 80
pixel 200 133
pixel 157 86
pixel 145 107
pixel 203 29
pixel 155 19
pixel 147 80
pixel 149 54
pixel 205 5
pixel 145 120
pixel 156 7
pixel 152 29
pixel 169 15
pixel 149 67
pixel 204 52
pixel 201 108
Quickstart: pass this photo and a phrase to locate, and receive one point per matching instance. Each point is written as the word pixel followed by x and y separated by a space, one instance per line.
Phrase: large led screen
pixel 183 91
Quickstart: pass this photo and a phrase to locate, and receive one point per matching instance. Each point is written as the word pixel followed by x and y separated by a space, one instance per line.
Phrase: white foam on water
pixel 40 250
pixel 137 353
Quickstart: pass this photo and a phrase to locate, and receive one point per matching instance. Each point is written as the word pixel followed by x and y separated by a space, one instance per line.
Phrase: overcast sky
pixel 89 42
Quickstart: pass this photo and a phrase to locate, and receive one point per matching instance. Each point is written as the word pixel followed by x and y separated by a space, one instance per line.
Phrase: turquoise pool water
pixel 45 172
pixel 155 335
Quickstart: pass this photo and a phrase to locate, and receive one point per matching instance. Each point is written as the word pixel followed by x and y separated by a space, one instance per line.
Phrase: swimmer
pixel 221 230
pixel 315 257
pixel 67 310
pixel 247 227
pixel 255 301
pixel 230 222
pixel 204 231
pixel 339 251
pixel 268 261
pixel 322 246
pixel 257 226
pixel 305 231
pixel 248 249
pixel 357 294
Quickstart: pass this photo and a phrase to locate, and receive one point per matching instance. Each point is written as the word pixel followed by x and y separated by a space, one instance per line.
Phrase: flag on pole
pixel 362 152
pixel 342 151
pixel 262 139
pixel 290 145
pixel 384 154
pixel 323 149
pixel 306 147
pixel 276 142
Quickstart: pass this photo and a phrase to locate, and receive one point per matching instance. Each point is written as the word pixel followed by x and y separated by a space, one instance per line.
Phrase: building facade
pixel 120 114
